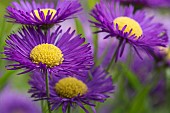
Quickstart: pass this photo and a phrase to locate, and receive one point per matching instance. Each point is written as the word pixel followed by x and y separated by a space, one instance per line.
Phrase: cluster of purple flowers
pixel 61 63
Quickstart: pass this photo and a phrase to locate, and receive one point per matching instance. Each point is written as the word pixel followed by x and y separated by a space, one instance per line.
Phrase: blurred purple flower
pixel 148 3
pixel 145 71
pixel 163 56
pixel 12 102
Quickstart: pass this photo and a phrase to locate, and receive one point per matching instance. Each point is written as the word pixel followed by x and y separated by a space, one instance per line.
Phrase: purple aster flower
pixel 59 53
pixel 12 102
pixel 42 13
pixel 148 3
pixel 136 29
pixel 159 92
pixel 163 57
pixel 68 91
pixel 144 71
pixel 142 68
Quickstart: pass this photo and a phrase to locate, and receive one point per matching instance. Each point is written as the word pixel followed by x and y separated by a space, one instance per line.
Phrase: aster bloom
pixel 57 52
pixel 136 29
pixel 163 56
pixel 148 3
pixel 144 71
pixel 42 13
pixel 12 102
pixel 68 91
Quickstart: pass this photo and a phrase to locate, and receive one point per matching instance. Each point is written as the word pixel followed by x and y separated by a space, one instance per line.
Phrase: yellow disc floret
pixel 45 11
pixel 131 24
pixel 47 54
pixel 70 87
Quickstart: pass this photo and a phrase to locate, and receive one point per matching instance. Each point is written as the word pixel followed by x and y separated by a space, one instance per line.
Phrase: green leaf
pixel 132 78
pixel 4 79
pixel 95 43
pixel 138 103
pixel 91 3
pixel 79 27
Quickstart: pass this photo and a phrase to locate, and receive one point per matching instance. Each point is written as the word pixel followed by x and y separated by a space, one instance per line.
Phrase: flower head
pixel 163 56
pixel 136 29
pixel 42 13
pixel 68 90
pixel 59 53
pixel 147 3
pixel 12 102
pixel 144 71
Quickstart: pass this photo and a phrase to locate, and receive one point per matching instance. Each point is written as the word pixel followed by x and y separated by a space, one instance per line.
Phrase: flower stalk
pixel 47 90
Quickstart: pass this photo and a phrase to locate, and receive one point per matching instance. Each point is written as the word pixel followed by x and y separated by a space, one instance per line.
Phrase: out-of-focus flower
pixel 12 102
pixel 56 52
pixel 142 68
pixel 147 3
pixel 158 93
pixel 43 13
pixel 145 71
pixel 136 29
pixel 163 56
pixel 70 91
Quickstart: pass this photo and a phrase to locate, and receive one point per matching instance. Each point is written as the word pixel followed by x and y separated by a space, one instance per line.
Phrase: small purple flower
pixel 142 68
pixel 136 29
pixel 59 53
pixel 42 13
pixel 147 3
pixel 12 102
pixel 68 91
pixel 144 71
pixel 163 57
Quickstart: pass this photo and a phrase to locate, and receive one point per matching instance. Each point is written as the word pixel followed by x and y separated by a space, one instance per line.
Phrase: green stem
pixel 46 27
pixel 69 109
pixel 114 56
pixel 42 106
pixel 45 31
pixel 47 90
pixel 130 57
pixel 95 42
pixel 111 62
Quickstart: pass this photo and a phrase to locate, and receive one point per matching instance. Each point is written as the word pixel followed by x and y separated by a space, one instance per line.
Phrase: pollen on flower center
pixel 70 87
pixel 45 12
pixel 47 54
pixel 131 24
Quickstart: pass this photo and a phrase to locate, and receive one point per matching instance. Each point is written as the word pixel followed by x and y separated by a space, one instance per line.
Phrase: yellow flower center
pixel 47 54
pixel 70 87
pixel 45 11
pixel 131 24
